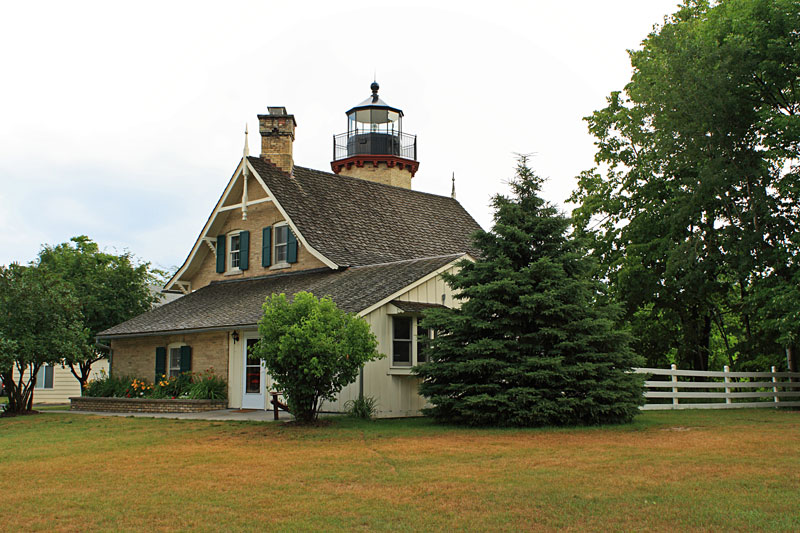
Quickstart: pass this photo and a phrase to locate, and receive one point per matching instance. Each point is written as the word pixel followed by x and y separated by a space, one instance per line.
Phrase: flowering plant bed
pixel 145 405
pixel 188 385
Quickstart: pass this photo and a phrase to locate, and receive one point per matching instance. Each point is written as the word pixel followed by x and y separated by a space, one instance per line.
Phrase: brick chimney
pixel 277 136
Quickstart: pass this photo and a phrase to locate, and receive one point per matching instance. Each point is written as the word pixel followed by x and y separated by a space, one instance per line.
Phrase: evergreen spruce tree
pixel 534 342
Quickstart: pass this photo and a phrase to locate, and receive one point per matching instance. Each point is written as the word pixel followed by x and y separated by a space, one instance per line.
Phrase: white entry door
pixel 255 377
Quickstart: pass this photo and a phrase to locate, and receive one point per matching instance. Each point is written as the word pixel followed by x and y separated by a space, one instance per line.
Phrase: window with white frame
pixel 174 362
pixel 407 350
pixel 422 350
pixel 44 377
pixel 281 243
pixel 234 247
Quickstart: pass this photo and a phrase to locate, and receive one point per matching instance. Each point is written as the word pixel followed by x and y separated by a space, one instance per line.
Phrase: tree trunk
pixel 20 394
pixel 696 330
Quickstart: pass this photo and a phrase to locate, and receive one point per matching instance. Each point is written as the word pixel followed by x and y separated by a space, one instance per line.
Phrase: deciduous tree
pixel 696 200
pixel 40 323
pixel 312 349
pixel 110 289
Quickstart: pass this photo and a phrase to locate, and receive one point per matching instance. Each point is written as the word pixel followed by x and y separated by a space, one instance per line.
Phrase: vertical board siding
pixel 396 396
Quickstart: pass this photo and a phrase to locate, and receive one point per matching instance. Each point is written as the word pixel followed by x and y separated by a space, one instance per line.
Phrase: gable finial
pixel 246 146
pixel 453 191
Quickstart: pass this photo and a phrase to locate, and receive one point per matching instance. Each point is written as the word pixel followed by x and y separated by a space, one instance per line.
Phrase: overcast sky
pixel 124 121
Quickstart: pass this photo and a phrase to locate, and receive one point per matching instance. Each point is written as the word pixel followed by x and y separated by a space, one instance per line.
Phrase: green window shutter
pixel 220 254
pixel 186 359
pixel 161 362
pixel 266 247
pixel 291 252
pixel 244 250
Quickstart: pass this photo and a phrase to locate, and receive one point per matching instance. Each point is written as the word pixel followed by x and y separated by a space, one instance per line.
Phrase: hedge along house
pixel 359 235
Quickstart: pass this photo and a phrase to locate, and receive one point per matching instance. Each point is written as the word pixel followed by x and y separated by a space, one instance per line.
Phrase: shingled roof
pixel 228 304
pixel 358 222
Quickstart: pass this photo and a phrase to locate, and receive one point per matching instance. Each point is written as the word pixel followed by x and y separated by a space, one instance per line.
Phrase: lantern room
pixel 375 141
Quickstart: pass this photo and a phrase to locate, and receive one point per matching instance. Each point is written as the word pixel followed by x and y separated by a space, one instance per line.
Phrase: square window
pixel 408 341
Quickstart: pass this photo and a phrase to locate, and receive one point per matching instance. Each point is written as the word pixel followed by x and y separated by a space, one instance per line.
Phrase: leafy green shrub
pixel 312 349
pixel 363 407
pixel 208 386
pixel 107 386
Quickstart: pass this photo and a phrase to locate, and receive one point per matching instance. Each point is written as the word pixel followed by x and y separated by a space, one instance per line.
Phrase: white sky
pixel 124 121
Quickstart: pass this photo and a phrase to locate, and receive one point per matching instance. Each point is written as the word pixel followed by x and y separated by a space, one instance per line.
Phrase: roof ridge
pixel 360 180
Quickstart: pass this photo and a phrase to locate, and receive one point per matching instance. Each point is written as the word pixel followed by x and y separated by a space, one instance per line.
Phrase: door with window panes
pixel 255 377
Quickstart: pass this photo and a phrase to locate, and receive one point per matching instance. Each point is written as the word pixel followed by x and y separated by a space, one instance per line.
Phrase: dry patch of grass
pixel 735 470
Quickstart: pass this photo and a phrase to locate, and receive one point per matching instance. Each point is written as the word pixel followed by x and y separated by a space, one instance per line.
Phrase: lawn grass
pixel 668 471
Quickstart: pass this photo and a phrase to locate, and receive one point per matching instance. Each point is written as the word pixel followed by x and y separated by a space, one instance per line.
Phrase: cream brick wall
pixel 277 137
pixel 259 216
pixel 382 173
pixel 137 357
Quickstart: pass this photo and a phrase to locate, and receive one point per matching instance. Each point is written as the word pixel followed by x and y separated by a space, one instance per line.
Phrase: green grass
pixel 668 471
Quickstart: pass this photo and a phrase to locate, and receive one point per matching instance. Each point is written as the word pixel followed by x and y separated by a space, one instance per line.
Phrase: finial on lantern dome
pixel 374 88
pixel 453 191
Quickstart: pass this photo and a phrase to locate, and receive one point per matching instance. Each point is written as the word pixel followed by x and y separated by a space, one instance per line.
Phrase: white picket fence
pixel 725 390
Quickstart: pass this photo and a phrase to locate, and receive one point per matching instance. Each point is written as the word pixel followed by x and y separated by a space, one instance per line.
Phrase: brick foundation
pixel 145 405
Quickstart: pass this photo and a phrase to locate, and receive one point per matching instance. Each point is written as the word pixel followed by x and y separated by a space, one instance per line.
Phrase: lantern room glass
pixel 374 120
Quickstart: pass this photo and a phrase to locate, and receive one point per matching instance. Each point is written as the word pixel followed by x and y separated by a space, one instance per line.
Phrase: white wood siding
pixel 65 384
pixel 396 395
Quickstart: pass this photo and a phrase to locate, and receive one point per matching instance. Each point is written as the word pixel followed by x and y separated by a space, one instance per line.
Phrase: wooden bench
pixel 277 405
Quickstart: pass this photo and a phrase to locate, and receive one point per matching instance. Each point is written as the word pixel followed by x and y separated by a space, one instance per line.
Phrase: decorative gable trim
pixel 177 282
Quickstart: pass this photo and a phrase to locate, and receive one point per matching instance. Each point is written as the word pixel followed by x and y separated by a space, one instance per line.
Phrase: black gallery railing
pixel 360 142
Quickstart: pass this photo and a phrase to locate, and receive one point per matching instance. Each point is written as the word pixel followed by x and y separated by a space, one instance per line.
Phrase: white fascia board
pixel 219 209
pixel 277 204
pixel 407 288
pixel 207 226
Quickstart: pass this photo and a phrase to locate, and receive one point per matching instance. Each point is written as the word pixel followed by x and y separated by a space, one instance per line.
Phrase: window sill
pixel 236 272
pixel 279 266
pixel 400 371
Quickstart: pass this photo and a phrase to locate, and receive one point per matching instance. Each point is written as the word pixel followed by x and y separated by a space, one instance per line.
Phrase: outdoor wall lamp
pixel 235 336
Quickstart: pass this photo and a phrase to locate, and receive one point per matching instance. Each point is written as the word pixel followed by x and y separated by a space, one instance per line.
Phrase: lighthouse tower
pixel 375 148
